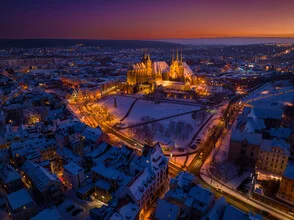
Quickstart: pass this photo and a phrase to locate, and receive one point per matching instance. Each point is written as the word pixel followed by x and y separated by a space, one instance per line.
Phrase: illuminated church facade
pixel 148 71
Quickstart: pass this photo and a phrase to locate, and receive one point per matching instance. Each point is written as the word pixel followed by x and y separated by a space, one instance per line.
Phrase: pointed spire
pixel 177 55
pixel 173 56
pixel 181 56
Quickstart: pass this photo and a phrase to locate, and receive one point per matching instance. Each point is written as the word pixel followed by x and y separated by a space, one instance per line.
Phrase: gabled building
pixel 73 174
pixel 121 173
pixel 147 185
pixel 273 157
pixel 116 209
pixel 51 213
pixel 193 200
pixel 260 117
pixel 37 149
pixel 20 205
pixel 166 210
pixel 10 179
pixel 46 186
pixel 286 190
pixel 286 134
pixel 245 146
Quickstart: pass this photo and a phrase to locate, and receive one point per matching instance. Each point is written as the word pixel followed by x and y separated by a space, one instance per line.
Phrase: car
pixel 71 207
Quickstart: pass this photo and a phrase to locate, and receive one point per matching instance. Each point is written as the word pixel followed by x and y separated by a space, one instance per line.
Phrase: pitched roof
pixel 39 175
pixel 289 171
pixel 166 210
pixel 252 138
pixel 19 198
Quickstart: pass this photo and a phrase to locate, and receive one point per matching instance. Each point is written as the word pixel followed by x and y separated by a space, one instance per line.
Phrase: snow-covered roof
pixel 32 145
pixel 268 145
pixel 141 183
pixel 280 132
pixel 217 210
pixel 160 66
pixel 183 179
pixel 102 184
pixel 199 193
pixel 262 113
pixel 92 134
pixel 137 66
pixel 252 138
pixel 19 199
pixel 253 125
pixel 111 173
pixel 232 212
pixel 99 150
pixel 187 70
pixel 73 168
pixel 39 175
pixel 289 171
pixel 48 214
pixel 129 211
pixel 8 173
pixel 166 210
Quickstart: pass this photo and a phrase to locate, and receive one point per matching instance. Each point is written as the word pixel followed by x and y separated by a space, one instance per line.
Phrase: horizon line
pixel 149 39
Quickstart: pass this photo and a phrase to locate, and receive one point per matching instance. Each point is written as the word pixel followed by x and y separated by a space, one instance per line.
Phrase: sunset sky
pixel 151 19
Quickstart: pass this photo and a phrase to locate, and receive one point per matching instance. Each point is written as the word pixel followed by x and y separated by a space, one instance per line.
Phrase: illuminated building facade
pixel 148 71
pixel 140 72
pixel 177 69
pixel 286 190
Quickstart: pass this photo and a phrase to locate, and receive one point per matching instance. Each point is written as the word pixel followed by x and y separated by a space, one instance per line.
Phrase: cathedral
pixel 140 72
pixel 176 72
pixel 147 71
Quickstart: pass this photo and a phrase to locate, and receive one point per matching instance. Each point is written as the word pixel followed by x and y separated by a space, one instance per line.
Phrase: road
pixel 92 118
pixel 223 123
pixel 159 119
pixel 236 198
pixel 129 110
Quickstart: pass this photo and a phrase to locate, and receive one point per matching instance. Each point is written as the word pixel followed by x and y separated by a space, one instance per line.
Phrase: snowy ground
pixel 175 132
pixel 123 105
pixel 272 95
pixel 223 149
pixel 145 108
pixel 222 170
pixel 172 133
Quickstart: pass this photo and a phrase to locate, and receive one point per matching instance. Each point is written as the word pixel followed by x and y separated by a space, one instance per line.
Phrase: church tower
pixel 181 61
pixel 149 65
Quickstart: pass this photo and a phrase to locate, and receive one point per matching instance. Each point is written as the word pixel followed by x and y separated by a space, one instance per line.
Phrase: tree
pixel 115 104
pixel 194 116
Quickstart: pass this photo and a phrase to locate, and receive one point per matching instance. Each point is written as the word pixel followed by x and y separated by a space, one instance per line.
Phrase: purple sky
pixel 151 19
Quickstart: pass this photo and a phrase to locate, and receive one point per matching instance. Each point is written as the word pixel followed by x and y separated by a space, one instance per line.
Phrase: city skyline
pixel 146 19
pixel 147 110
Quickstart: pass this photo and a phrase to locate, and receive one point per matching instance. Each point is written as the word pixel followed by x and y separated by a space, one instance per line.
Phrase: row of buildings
pixel 187 199
pixel 259 141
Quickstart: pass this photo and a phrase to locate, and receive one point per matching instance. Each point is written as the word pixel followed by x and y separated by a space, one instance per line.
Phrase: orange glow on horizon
pixel 165 19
